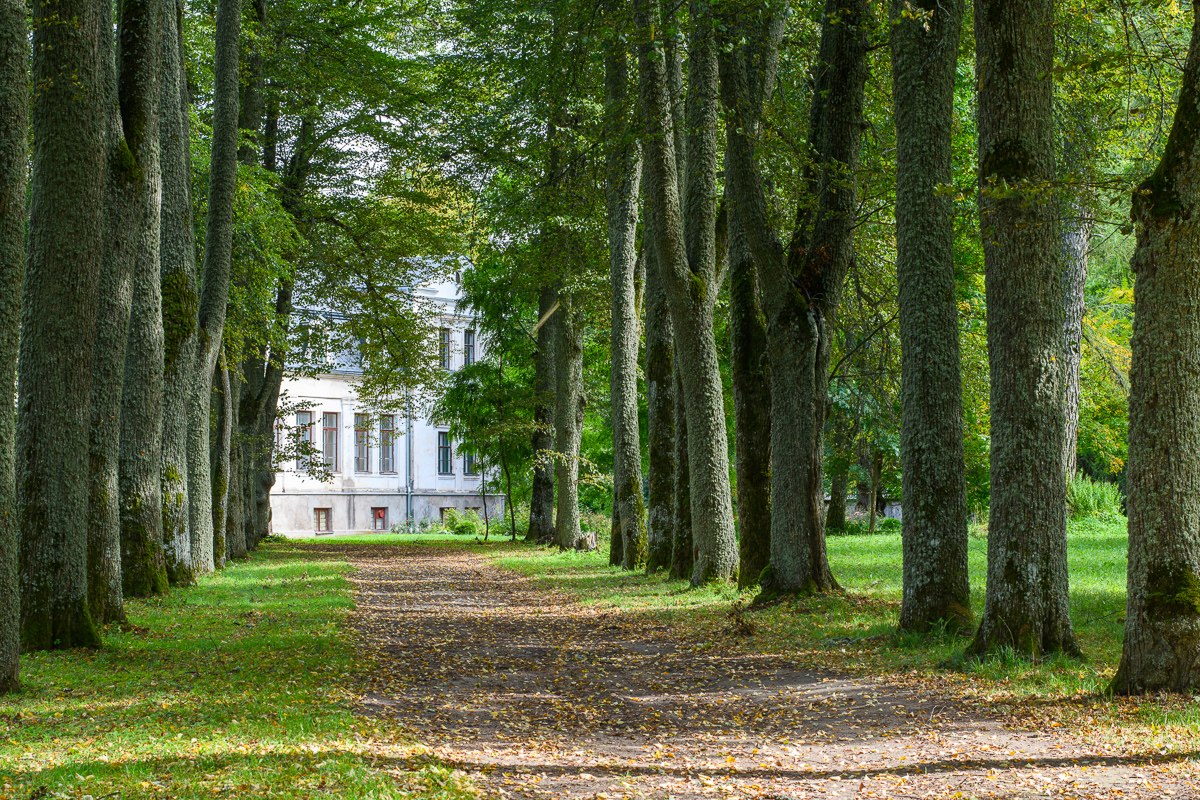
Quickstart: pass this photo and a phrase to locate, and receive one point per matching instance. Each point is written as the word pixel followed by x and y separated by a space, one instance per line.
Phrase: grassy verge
pixel 243 684
pixel 855 632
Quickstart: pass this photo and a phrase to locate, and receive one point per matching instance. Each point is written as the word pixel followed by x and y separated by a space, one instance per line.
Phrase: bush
pixel 889 525
pixel 1098 499
pixel 461 524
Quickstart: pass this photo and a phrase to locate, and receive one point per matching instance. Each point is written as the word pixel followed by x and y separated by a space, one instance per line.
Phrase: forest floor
pixel 533 693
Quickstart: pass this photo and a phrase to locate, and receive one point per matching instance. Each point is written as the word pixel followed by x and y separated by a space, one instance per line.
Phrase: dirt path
pixel 536 696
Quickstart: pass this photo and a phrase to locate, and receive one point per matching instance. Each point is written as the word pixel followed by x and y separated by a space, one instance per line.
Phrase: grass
pixel 855 631
pixel 244 684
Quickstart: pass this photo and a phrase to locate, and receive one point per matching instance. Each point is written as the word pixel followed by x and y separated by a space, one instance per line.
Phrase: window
pixel 468 348
pixel 362 454
pixel 329 443
pixel 304 423
pixel 321 520
pixel 380 516
pixel 445 462
pixel 469 464
pixel 444 347
pixel 387 444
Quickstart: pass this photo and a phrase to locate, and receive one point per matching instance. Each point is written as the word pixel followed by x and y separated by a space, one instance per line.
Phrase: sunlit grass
pixel 244 684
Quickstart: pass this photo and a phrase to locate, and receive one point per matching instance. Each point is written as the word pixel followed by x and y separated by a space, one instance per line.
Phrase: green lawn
pixel 243 684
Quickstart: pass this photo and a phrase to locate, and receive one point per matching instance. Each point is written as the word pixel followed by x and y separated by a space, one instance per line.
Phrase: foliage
pixel 1098 499
pixel 462 524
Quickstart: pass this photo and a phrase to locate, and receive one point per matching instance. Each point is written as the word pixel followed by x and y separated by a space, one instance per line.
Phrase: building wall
pixel 351 496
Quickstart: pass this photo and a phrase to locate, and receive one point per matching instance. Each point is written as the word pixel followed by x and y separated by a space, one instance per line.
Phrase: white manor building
pixel 387 470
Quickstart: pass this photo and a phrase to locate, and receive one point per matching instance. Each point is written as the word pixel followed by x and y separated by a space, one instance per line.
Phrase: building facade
pixel 387 470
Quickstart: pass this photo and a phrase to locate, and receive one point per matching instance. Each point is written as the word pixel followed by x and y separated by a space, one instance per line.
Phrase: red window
pixel 329 440
pixel 380 515
pixel 321 520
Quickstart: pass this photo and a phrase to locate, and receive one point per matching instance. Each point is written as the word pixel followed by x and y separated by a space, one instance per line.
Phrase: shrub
pixel 461 524
pixel 889 525
pixel 1098 499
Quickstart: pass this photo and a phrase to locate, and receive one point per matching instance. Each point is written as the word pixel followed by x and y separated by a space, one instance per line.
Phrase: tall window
pixel 362 454
pixel 445 458
pixel 469 464
pixel 321 520
pixel 387 444
pixel 444 347
pixel 468 348
pixel 329 440
pixel 379 516
pixel 304 423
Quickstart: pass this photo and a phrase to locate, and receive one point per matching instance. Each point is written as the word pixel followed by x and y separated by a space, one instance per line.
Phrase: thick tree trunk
pixel 924 60
pixel 58 320
pixel 1076 241
pixel 14 140
pixel 1162 611
pixel 622 185
pixel 541 499
pixel 214 294
pixel 568 419
pixel 1026 606
pixel 180 300
pixel 686 253
pixel 801 287
pixel 660 416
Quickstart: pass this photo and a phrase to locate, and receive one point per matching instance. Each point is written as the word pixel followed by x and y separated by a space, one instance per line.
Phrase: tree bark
pixel 752 66
pixel 802 287
pixel 933 494
pixel 214 293
pixel 568 425
pixel 1162 612
pixel 622 186
pixel 1026 606
pixel 14 158
pixel 180 300
pixel 686 253
pixel 541 499
pixel 1076 241
pixel 132 209
pixel 58 320
pixel 683 548
pixel 660 415
pixel 222 484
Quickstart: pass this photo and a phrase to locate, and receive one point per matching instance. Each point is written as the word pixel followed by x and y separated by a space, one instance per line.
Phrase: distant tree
pixel 1162 615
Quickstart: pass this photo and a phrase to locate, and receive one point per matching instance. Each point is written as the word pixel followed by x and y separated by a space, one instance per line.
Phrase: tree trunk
pixel 801 288
pixel 1076 240
pixel 622 185
pixel 924 60
pixel 660 415
pixel 58 320
pixel 1162 611
pixel 132 208
pixel 752 66
pixel 180 300
pixel 686 253
pixel 568 406
pixel 1026 606
pixel 219 456
pixel 541 498
pixel 14 141
pixel 214 294
pixel 683 548
pixel 835 515
pixel 253 104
